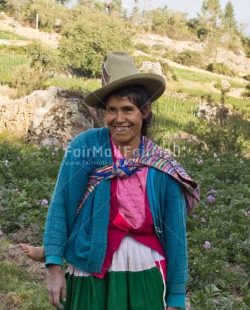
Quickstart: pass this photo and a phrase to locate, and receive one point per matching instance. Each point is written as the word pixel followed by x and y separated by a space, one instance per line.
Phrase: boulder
pixel 210 112
pixel 152 67
pixel 49 117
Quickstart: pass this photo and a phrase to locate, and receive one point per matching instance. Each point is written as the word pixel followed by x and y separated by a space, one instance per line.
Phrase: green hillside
pixel 196 56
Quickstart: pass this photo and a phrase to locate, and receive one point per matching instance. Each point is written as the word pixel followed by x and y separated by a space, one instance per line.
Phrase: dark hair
pixel 137 95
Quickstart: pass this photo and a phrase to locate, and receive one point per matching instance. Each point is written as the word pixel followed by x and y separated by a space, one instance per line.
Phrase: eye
pixel 128 109
pixel 111 110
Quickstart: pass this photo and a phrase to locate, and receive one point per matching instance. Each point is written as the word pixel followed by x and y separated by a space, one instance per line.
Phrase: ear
pixel 146 111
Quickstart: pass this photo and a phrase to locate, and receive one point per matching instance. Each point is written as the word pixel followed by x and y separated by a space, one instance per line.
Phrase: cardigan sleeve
pixel 176 243
pixel 71 183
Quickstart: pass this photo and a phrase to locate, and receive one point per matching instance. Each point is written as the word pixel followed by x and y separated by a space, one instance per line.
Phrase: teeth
pixel 121 129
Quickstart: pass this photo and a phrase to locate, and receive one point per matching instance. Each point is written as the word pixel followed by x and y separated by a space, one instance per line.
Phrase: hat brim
pixel 154 84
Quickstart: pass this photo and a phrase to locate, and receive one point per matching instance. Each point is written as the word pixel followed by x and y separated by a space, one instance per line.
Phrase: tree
pixel 14 6
pixel 212 15
pixel 211 9
pixel 230 28
pixel 164 21
pixel 135 15
pixel 229 18
pixel 84 42
pixel 48 12
pixel 117 6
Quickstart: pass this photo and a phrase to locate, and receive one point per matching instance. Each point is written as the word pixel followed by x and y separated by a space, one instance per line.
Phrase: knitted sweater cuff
pixel 176 300
pixel 53 259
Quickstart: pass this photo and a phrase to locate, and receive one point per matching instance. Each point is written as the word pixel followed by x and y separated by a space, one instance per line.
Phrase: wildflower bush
pixel 218 233
pixel 27 177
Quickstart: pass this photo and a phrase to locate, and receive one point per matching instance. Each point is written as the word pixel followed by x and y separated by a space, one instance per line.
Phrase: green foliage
pixel 189 75
pixel 2 5
pixel 222 134
pixel 27 177
pixel 143 47
pixel 157 47
pixel 169 54
pixel 212 12
pixel 198 27
pixel 26 80
pixel 246 93
pixel 218 277
pixel 220 68
pixel 229 20
pixel 190 58
pixel 166 22
pixel 215 274
pixel 140 59
pixel 8 35
pixel 48 11
pixel 74 84
pixel 46 58
pixel 84 42
pixel 9 63
pixel 246 45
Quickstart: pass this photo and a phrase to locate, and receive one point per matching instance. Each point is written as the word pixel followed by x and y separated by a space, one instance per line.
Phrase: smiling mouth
pixel 121 128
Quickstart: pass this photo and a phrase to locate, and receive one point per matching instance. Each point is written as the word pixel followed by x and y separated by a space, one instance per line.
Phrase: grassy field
pixel 8 35
pixel 9 63
pixel 75 84
pixel 202 77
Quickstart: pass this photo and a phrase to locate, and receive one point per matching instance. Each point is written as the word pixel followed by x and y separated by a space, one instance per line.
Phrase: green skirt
pixel 132 282
pixel 116 291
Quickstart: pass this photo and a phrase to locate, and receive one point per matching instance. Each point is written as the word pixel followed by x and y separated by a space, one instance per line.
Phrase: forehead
pixel 119 102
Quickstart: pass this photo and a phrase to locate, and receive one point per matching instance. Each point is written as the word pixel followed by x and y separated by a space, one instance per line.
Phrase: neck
pixel 127 151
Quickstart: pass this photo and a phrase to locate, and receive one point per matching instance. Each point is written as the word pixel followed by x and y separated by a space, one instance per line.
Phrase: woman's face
pixel 124 121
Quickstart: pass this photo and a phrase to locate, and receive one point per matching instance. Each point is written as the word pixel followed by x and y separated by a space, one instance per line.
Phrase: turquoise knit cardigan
pixel 82 241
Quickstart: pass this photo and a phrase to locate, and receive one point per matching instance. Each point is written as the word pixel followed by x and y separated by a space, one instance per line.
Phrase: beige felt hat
pixel 119 70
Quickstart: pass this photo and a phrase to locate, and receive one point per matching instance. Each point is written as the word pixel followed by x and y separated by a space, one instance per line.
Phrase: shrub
pixel 164 21
pixel 45 58
pixel 189 58
pixel 26 80
pixel 221 135
pixel 143 47
pixel 85 41
pixel 170 54
pixel 157 47
pixel 220 68
pixel 140 59
pixel 48 11
pixel 246 93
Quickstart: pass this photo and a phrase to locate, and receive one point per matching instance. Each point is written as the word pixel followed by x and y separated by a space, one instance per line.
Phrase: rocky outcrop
pixel 48 117
pixel 152 67
pixel 210 112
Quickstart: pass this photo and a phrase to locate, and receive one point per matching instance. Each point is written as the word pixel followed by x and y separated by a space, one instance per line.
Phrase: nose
pixel 119 117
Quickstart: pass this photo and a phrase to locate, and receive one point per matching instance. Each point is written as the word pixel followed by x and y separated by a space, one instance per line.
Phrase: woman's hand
pixel 56 286
pixel 171 308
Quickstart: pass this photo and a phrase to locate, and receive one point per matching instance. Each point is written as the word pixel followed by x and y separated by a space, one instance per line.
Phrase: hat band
pixel 105 75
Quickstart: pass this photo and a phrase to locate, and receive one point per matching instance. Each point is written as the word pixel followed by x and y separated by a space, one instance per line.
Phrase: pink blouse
pixel 130 214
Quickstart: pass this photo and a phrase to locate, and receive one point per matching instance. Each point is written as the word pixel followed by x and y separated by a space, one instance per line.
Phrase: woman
pixel 118 211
